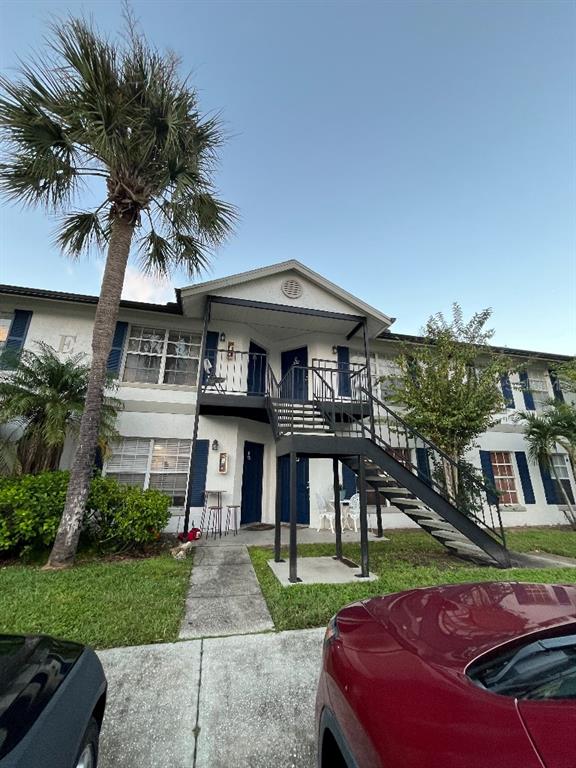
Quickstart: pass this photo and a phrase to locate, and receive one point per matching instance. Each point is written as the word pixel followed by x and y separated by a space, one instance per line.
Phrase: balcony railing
pixel 234 373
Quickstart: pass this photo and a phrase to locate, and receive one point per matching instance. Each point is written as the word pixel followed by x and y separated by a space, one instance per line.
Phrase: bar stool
pixel 214 521
pixel 232 516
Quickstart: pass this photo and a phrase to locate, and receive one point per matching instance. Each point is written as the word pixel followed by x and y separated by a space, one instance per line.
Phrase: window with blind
pixel 560 473
pixel 504 478
pixel 160 463
pixel 538 384
pixel 159 356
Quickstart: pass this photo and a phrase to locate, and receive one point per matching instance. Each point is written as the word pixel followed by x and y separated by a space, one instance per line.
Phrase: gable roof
pixel 292 265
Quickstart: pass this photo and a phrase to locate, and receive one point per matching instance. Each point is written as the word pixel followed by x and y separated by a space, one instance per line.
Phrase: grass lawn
pixel 102 604
pixel 408 559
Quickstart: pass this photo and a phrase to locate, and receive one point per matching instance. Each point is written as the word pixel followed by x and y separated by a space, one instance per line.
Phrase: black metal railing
pixel 361 414
pixel 457 482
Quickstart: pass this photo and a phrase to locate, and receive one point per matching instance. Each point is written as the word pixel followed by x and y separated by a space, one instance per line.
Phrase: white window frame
pixel 162 369
pixel 10 317
pixel 149 471
pixel 512 476
pixel 543 380
pixel 563 464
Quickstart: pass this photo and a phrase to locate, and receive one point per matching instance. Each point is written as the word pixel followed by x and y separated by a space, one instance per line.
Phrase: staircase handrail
pixel 443 491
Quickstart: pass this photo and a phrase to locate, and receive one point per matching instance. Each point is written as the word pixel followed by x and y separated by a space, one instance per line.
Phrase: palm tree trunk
pixel 66 542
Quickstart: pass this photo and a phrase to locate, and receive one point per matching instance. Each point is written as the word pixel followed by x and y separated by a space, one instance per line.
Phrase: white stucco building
pixel 199 378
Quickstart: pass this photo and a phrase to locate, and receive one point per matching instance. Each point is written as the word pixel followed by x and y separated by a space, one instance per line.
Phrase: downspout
pixel 207 310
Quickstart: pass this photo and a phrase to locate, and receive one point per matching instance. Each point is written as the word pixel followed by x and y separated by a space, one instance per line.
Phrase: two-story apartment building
pixel 213 382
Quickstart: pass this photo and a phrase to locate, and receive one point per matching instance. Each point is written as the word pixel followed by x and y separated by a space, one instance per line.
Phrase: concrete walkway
pixel 224 596
pixel 246 702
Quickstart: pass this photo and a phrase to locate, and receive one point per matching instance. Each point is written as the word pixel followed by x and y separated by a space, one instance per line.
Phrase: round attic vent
pixel 292 288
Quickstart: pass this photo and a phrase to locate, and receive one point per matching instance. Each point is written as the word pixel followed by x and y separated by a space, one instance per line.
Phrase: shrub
pixel 121 516
pixel 30 509
pixel 118 516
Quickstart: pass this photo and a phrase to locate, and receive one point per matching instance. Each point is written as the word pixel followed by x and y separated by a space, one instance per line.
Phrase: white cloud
pixel 139 287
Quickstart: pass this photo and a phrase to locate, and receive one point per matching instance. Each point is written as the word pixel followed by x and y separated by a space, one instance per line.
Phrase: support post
pixel 365 569
pixel 369 379
pixel 293 576
pixel 207 311
pixel 380 532
pixel 278 516
pixel 337 511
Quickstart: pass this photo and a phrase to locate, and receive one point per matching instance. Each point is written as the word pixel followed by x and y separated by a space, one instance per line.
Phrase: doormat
pixel 258 527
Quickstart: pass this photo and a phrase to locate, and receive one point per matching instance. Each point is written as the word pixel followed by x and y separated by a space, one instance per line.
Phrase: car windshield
pixel 541 669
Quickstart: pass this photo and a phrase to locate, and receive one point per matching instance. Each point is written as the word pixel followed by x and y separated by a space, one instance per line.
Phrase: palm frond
pixel 81 231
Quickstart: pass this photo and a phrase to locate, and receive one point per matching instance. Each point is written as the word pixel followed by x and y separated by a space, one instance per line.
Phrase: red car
pixel 459 676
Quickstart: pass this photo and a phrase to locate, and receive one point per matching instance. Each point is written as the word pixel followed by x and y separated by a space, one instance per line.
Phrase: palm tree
pixel 43 401
pixel 543 433
pixel 120 118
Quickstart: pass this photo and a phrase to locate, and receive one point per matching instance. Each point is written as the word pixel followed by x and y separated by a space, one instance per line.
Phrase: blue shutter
pixel 115 356
pixel 525 479
pixel 548 483
pixel 556 386
pixel 18 329
pixel 528 399
pixel 348 481
pixel 423 465
pixel 488 473
pixel 344 389
pixel 210 352
pixel 197 482
pixel 507 390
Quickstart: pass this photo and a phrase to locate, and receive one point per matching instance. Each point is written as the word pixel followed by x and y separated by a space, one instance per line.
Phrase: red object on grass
pixel 193 535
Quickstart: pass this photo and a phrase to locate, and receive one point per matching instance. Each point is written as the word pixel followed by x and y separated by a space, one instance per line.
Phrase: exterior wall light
pixel 215 445
pixel 222 336
pixel 334 350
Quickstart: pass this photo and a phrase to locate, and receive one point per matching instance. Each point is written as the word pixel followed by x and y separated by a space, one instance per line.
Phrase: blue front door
pixel 295 374
pixel 256 370
pixel 302 494
pixel 251 509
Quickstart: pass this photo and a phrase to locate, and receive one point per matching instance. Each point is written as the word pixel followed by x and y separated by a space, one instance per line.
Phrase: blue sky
pixel 416 153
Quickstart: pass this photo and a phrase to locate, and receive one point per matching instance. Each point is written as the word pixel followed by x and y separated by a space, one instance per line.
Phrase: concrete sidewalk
pixel 224 597
pixel 246 702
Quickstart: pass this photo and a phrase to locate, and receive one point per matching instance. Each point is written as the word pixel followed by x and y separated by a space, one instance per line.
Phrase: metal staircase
pixel 446 499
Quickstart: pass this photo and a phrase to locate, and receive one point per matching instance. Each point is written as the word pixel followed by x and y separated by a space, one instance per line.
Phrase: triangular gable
pixel 288 283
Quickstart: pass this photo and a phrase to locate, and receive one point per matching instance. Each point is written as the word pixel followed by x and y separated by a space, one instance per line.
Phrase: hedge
pixel 117 516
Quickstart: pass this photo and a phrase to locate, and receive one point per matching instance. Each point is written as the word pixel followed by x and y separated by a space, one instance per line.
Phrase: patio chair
pixel 353 511
pixel 210 378
pixel 325 511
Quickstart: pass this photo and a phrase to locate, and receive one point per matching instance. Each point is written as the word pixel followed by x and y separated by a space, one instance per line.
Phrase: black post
pixel 293 577
pixel 207 310
pixel 337 512
pixel 278 516
pixel 365 570
pixel 380 532
pixel 369 379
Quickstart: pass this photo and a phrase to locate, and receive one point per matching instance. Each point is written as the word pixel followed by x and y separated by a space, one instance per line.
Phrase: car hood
pixel 550 725
pixel 452 625
pixel 31 671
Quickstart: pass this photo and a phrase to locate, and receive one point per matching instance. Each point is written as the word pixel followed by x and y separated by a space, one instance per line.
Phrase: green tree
pixel 544 433
pixel 41 404
pixel 120 117
pixel 450 383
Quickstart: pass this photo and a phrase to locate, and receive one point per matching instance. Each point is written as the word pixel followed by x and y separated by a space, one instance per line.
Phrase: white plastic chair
pixel 325 511
pixel 353 512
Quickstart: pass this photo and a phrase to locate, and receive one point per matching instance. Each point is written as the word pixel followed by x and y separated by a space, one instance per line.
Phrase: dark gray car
pixel 52 701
